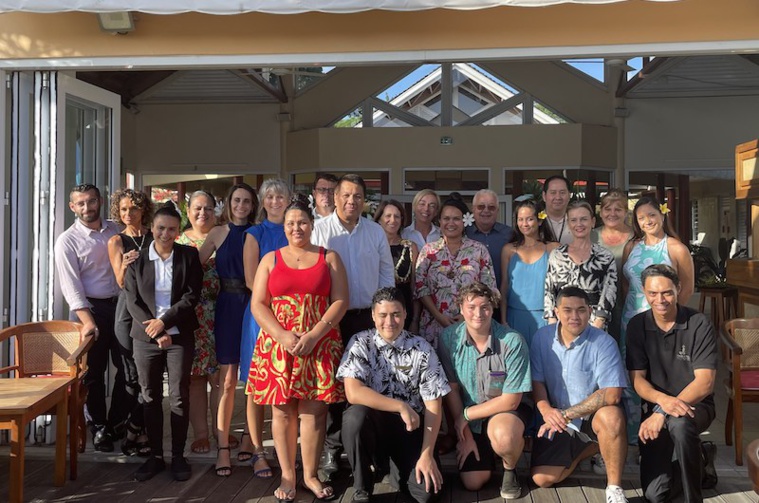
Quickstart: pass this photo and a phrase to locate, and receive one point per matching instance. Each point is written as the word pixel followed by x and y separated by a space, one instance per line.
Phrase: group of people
pixel 376 337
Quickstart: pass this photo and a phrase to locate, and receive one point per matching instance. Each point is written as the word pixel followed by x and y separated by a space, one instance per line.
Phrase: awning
pixel 270 6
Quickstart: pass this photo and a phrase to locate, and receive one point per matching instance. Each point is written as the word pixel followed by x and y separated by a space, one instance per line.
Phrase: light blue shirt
pixel 365 253
pixel 571 374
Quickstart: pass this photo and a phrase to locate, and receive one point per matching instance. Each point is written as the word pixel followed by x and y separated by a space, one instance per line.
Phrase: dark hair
pixel 300 202
pixel 572 291
pixel 167 210
pixel 389 294
pixel 324 176
pixel 557 177
pixel 545 234
pixel 477 289
pixel 660 270
pixel 139 199
pixel 390 202
pixel 454 199
pixel 652 201
pixel 84 187
pixel 352 178
pixel 226 215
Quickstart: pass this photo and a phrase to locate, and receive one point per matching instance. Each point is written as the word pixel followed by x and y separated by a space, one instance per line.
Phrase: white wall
pixel 212 138
pixel 688 133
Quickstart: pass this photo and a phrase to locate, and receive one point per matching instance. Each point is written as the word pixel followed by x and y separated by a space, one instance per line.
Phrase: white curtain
pixel 270 6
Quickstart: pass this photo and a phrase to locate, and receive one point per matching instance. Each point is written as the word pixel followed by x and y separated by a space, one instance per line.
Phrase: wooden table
pixel 21 400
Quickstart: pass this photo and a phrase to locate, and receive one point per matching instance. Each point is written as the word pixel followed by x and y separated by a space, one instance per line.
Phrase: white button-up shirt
pixel 414 235
pixel 164 273
pixel 84 269
pixel 365 253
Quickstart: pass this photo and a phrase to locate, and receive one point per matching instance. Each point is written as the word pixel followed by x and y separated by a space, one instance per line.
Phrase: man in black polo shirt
pixel 672 359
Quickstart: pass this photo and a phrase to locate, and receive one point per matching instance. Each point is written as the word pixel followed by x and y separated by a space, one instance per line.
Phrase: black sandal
pixel 244 456
pixel 223 471
pixel 134 447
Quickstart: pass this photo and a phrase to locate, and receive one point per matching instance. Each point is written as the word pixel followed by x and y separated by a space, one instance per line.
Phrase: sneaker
pixel 708 453
pixel 599 465
pixel 510 488
pixel 149 469
pixel 361 496
pixel 180 469
pixel 615 494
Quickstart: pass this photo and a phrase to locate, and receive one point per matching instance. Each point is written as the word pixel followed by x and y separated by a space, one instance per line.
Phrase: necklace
pixel 405 254
pixel 140 244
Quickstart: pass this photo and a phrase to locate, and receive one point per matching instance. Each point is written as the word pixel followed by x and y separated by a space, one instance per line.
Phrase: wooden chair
pixel 741 340
pixel 753 464
pixel 51 348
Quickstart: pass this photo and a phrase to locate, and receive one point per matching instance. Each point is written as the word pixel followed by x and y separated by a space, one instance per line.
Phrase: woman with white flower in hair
pixel 446 265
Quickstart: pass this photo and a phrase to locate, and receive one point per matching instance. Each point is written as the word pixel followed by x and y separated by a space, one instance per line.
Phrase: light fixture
pixel 118 23
pixel 446 140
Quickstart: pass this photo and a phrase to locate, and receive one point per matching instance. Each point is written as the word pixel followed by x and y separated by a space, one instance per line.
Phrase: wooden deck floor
pixel 113 482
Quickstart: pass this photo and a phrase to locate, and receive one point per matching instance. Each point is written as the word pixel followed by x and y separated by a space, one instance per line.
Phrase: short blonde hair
pixel 613 196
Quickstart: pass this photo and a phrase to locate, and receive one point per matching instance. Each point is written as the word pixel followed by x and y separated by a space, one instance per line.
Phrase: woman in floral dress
pixel 446 265
pixel 200 213
pixel 300 294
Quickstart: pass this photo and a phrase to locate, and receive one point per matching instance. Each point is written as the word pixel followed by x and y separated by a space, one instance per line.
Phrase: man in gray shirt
pixel 90 289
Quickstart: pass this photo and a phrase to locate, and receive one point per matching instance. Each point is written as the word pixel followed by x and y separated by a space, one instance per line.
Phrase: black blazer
pixel 187 281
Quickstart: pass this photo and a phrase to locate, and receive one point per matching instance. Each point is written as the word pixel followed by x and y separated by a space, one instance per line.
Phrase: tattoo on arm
pixel 588 406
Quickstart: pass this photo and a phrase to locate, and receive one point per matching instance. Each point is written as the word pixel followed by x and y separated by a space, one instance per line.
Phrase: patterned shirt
pixel 477 373
pixel 597 276
pixel 406 369
pixel 441 274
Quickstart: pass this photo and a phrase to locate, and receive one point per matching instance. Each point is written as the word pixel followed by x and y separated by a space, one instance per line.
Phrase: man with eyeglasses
pixel 91 291
pixel 324 195
pixel 494 235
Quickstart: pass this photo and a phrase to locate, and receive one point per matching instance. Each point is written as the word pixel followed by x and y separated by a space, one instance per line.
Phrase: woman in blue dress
pixel 231 303
pixel 526 261
pixel 268 235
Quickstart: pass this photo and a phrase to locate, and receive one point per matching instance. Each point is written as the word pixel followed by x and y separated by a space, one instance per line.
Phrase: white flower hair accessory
pixel 468 219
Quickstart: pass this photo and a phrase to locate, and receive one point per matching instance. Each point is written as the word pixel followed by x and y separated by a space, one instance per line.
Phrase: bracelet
pixel 328 323
pixel 466 416
pixel 567 420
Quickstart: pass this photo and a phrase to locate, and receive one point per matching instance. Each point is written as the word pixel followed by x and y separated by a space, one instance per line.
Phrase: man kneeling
pixel 392 379
pixel 488 366
pixel 577 382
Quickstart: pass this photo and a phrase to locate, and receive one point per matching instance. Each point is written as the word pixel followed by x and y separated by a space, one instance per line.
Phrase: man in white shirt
pixel 91 291
pixel 363 248
pixel 324 195
pixel 556 194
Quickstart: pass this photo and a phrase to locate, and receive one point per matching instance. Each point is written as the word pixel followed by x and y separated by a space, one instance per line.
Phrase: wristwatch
pixel 659 410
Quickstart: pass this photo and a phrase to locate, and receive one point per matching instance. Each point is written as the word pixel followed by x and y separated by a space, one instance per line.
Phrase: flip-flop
pixel 200 446
pixel 289 495
pixel 327 493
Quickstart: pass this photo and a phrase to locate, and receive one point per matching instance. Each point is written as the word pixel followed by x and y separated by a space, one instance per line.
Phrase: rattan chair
pixel 51 348
pixel 741 340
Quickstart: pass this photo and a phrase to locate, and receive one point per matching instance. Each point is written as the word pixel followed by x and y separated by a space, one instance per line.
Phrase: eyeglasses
pixel 324 190
pixel 483 207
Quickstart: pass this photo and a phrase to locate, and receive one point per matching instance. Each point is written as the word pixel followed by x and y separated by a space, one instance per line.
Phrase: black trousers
pixel 105 346
pixel 365 436
pixel 151 362
pixel 132 403
pixel 672 463
pixel 354 321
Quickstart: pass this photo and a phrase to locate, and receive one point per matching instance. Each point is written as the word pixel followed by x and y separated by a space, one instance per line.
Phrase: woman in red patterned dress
pixel 299 295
